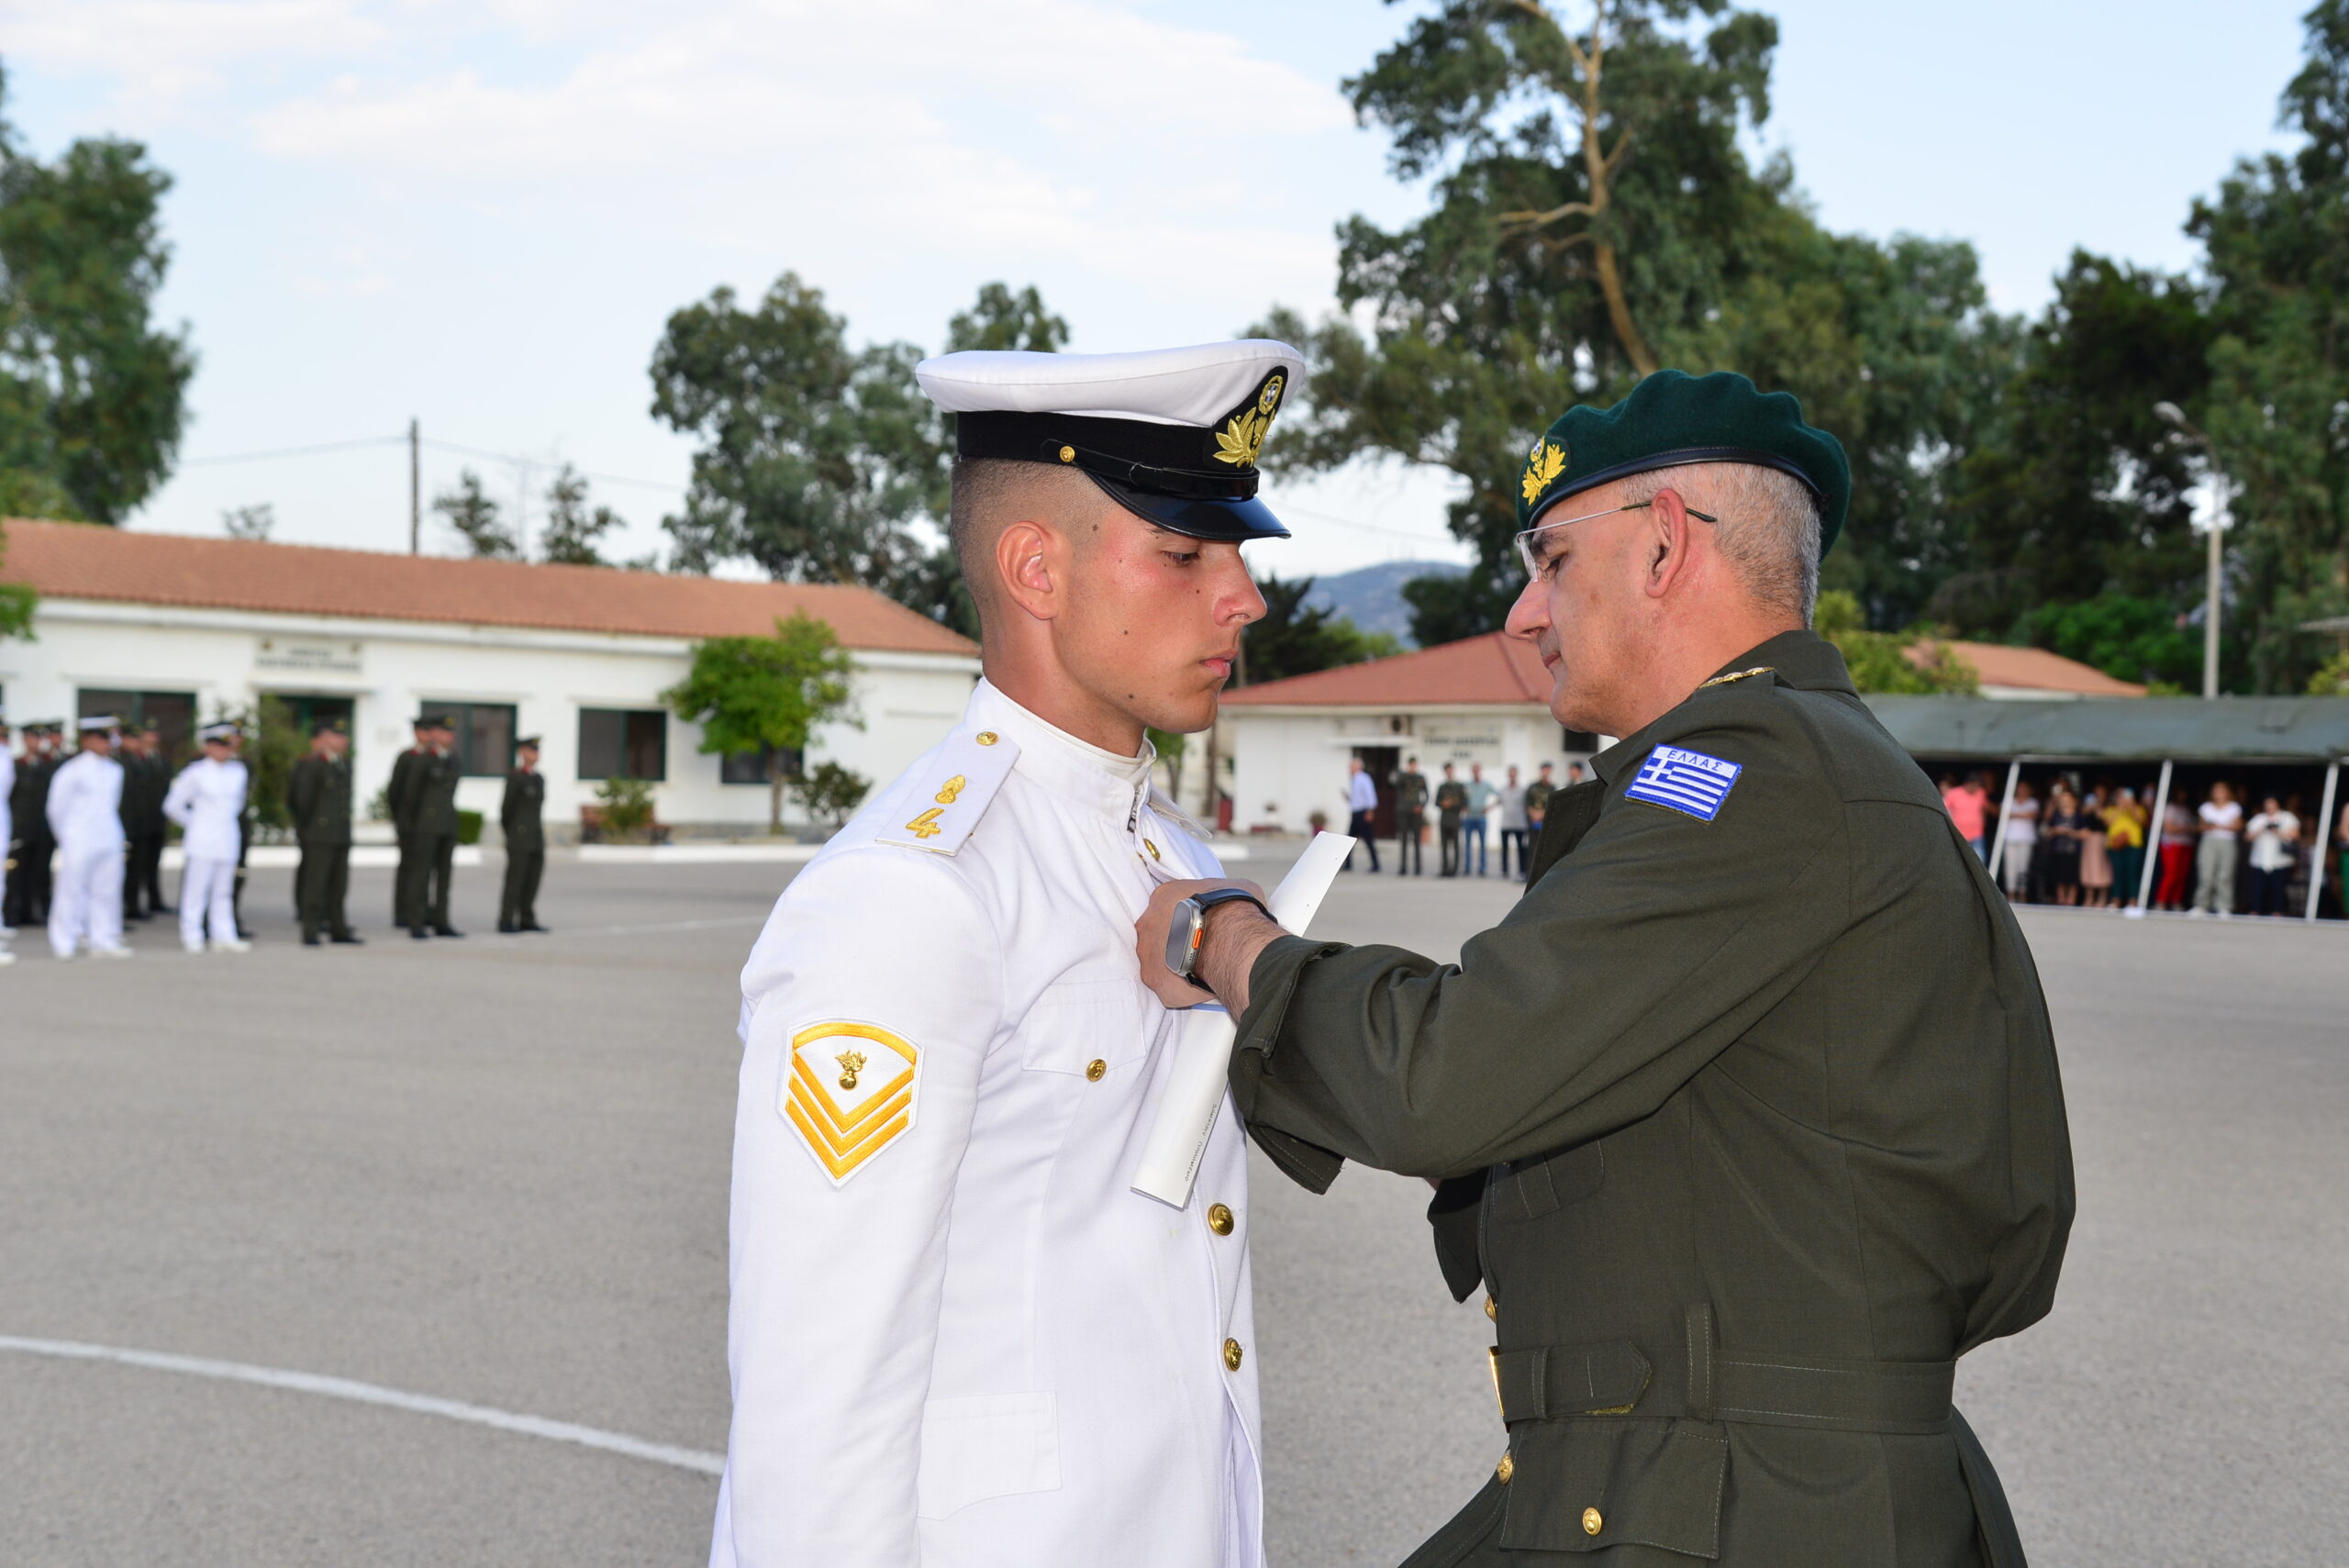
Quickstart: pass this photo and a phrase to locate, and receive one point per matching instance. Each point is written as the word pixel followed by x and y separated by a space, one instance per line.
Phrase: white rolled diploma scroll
pixel 1205 1036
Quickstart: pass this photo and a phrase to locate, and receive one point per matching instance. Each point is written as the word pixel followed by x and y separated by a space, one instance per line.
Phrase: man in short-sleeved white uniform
pixel 206 800
pixel 85 812
pixel 957 1338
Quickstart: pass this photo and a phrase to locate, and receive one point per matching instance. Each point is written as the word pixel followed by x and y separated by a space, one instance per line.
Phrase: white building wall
pixel 393 669
pixel 1289 763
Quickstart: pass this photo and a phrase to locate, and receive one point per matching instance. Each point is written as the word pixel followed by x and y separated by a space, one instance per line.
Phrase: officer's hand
pixel 1150 940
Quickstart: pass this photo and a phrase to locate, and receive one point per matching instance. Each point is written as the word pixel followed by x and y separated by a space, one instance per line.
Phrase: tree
pixel 819 463
pixel 766 695
pixel 92 395
pixel 474 516
pixel 571 532
pixel 2083 492
pixel 815 457
pixel 257 522
pixel 2276 239
pixel 1291 640
pixel 1909 662
pixel 16 601
pixel 1594 215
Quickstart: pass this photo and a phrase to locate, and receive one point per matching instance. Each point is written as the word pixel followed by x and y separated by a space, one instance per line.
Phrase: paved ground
pixel 494 1171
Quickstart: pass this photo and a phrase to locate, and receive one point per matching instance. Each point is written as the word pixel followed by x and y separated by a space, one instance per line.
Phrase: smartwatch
pixel 1188 928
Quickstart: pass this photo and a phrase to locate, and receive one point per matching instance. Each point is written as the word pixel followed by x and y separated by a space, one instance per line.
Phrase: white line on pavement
pixel 369 1393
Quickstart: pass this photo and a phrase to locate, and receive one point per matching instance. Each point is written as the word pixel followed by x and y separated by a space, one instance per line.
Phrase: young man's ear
pixel 1024 557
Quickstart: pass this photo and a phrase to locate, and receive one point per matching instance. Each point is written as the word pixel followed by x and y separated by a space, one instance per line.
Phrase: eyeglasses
pixel 1539 563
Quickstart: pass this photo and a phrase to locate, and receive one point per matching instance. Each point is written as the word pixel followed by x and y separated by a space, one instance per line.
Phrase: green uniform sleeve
pixel 1649 949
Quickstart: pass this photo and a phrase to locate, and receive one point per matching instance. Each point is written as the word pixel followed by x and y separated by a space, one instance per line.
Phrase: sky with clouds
pixel 478 213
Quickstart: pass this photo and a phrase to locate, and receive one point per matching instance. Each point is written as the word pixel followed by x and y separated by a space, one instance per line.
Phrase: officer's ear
pixel 1669 543
pixel 1029 561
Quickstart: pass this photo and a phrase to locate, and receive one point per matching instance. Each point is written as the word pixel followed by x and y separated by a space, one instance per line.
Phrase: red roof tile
pixel 2032 669
pixel 1494 668
pixel 82 560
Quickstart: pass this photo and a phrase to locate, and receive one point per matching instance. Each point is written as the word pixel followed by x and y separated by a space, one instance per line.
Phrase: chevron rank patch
pixel 849 1092
pixel 1687 782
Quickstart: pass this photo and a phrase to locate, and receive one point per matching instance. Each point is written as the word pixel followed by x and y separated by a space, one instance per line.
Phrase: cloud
pixel 1066 126
pixel 160 52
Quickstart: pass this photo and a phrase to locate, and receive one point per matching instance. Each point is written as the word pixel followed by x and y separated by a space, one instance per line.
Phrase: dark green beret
pixel 1673 418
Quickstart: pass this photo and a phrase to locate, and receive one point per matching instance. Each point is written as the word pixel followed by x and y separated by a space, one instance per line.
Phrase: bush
pixel 830 793
pixel 627 806
pixel 2128 639
pixel 469 827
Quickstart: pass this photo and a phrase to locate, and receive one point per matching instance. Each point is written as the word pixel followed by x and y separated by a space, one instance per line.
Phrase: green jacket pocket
pixel 1583 1485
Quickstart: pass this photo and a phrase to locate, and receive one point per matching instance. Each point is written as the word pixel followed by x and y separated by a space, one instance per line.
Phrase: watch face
pixel 1183 938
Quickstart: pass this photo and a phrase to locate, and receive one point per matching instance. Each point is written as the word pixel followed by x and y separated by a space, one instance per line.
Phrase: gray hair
pixel 1768 529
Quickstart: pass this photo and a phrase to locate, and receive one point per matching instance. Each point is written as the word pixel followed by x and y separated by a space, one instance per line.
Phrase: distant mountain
pixel 1371 596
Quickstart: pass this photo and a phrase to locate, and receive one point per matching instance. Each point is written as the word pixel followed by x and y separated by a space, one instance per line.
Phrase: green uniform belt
pixel 1547 1382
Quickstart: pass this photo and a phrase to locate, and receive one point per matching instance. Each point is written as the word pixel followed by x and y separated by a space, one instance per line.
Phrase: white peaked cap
pixel 96 722
pixel 1199 385
pixel 1173 435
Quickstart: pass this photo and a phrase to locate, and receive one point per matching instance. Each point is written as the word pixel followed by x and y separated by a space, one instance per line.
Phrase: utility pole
pixel 2172 415
pixel 415 494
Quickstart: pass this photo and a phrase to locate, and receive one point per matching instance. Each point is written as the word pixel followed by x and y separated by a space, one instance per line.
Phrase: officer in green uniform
pixel 519 816
pixel 318 798
pixel 424 813
pixel 146 779
pixel 1451 800
pixel 1747 1118
pixel 1410 819
pixel 402 793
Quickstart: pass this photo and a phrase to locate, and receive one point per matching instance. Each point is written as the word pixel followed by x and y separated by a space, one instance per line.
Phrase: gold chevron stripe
pixel 838 1167
pixel 839 1139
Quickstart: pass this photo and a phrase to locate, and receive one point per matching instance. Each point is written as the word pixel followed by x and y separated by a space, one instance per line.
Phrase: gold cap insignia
pixel 1548 461
pixel 847 1117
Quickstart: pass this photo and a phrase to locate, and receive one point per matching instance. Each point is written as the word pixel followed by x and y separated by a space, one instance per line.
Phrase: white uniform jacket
pixel 205 801
pixel 957 1339
pixel 85 803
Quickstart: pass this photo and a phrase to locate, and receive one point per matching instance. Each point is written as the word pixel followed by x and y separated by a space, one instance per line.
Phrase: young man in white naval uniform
pixel 205 801
pixel 86 815
pixel 958 1339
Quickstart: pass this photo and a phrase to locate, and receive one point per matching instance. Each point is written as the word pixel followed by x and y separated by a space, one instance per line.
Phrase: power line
pixel 294 451
pixel 461 450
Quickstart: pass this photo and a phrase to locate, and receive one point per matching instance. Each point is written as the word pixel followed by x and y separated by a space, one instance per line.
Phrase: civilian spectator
pixel 1969 807
pixel 2214 860
pixel 1481 796
pixel 2275 837
pixel 2023 841
pixel 1512 824
pixel 2124 839
pixel 2059 846
pixel 1361 812
pixel 2095 860
pixel 2177 877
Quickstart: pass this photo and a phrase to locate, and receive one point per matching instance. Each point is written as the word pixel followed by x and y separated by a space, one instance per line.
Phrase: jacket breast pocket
pixel 988 1445
pixel 1089 1017
pixel 1528 1189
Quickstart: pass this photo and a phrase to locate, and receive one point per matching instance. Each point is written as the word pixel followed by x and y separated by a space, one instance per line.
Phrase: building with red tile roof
pixel 179 629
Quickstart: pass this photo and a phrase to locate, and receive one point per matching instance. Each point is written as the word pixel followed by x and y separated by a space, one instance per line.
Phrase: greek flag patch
pixel 1687 782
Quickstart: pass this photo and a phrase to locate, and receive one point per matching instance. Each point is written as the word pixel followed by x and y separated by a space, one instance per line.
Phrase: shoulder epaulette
pixel 950 793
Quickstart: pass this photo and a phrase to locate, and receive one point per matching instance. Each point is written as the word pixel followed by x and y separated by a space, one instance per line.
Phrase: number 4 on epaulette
pixel 968 770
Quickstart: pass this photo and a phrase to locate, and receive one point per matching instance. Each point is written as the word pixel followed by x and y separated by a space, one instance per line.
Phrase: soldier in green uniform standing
pixel 318 798
pixel 1451 800
pixel 1410 819
pixel 405 796
pixel 424 812
pixel 146 779
pixel 521 816
pixel 1747 1118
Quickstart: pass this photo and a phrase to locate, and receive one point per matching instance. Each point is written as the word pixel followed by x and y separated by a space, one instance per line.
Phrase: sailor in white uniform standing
pixel 205 801
pixel 86 815
pixel 957 1338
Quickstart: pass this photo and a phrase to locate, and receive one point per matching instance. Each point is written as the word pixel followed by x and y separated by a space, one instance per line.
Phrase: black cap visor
pixel 1233 521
